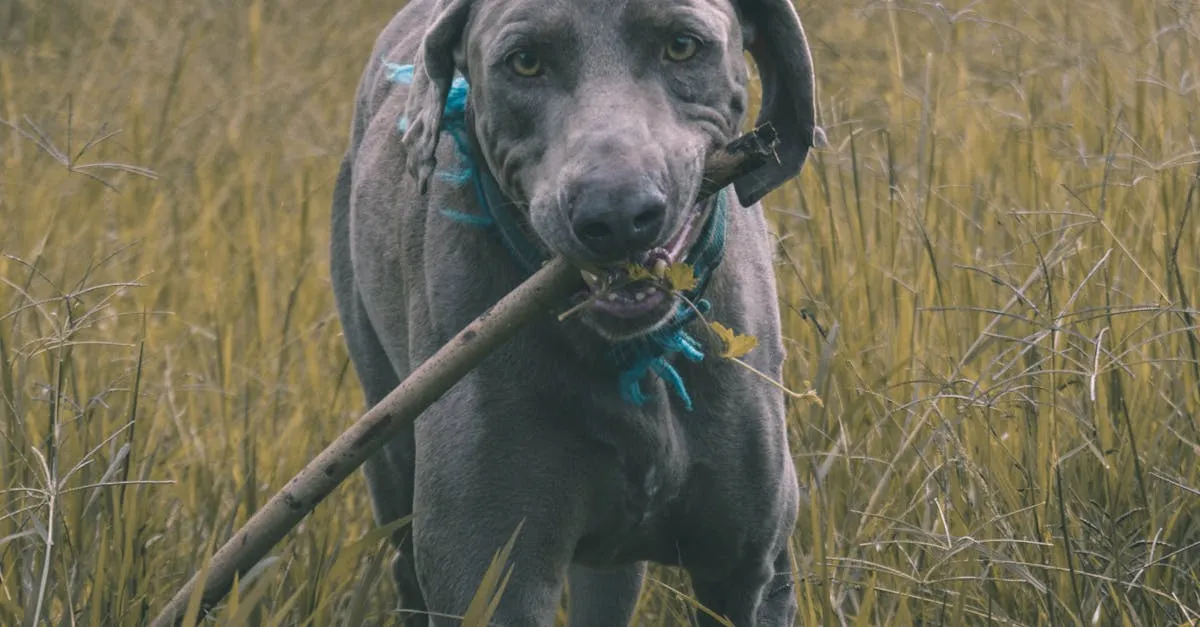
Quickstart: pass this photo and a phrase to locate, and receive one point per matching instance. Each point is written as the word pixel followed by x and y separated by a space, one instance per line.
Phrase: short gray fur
pixel 537 433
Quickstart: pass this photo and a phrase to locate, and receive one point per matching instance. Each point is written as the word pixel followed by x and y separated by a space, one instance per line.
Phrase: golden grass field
pixel 990 275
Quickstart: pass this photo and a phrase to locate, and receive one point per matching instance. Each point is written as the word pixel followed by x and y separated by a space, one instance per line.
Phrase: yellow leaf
pixel 637 272
pixel 681 276
pixel 735 345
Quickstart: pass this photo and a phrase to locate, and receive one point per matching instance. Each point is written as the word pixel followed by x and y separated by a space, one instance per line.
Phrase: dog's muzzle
pixel 628 299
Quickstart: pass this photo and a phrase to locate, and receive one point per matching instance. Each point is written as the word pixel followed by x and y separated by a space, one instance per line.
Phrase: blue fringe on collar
pixel 652 353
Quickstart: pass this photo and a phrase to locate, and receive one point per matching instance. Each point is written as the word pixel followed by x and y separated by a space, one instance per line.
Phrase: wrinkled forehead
pixel 494 23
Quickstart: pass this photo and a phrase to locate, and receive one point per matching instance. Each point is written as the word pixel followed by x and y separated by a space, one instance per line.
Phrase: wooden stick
pixel 426 384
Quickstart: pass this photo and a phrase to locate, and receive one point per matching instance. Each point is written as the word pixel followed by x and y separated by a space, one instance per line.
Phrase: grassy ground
pixel 990 275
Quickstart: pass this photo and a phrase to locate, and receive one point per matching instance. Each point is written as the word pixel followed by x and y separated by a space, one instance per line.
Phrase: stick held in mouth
pixel 428 382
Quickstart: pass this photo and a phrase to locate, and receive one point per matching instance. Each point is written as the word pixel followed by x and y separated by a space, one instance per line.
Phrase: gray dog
pixel 490 134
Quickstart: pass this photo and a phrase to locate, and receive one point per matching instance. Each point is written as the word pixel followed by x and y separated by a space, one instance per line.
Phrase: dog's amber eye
pixel 682 48
pixel 525 63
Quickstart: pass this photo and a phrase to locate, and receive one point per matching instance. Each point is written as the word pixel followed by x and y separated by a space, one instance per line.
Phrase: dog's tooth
pixel 640 296
pixel 612 296
pixel 660 268
pixel 591 279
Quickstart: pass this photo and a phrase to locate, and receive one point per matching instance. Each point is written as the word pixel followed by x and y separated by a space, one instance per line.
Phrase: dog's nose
pixel 615 225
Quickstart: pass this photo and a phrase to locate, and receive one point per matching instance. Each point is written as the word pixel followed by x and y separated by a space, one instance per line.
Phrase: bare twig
pixel 403 405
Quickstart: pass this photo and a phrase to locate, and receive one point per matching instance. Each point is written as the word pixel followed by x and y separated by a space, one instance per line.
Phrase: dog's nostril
pixel 617 222
pixel 649 219
pixel 596 232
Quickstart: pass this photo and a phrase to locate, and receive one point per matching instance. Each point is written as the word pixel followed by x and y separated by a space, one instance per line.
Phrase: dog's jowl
pixel 491 135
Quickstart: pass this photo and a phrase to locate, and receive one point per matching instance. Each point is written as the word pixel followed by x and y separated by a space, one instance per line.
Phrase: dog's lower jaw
pixel 596 322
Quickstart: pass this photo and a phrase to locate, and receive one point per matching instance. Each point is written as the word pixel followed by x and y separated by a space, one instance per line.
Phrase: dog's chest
pixel 642 470
pixel 647 492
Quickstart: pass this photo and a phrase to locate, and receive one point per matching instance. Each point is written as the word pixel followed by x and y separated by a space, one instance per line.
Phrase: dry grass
pixel 991 276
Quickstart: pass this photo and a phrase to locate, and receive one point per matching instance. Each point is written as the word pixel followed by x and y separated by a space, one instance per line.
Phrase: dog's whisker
pixel 581 306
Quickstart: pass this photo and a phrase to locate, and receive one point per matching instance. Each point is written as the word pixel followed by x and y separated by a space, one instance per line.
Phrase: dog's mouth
pixel 621 302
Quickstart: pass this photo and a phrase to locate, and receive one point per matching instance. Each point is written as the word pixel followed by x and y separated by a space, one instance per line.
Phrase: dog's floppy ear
pixel 433 71
pixel 776 40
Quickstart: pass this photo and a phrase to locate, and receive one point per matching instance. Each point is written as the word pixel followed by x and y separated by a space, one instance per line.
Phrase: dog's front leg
pixel 737 597
pixel 454 551
pixel 778 606
pixel 483 470
pixel 760 595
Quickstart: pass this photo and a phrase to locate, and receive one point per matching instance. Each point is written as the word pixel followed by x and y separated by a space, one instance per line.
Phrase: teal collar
pixel 505 215
pixel 640 356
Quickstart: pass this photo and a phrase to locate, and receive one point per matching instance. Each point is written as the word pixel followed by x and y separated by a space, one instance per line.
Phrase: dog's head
pixel 596 116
